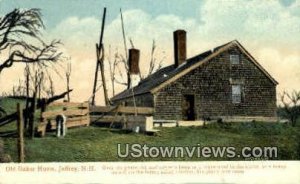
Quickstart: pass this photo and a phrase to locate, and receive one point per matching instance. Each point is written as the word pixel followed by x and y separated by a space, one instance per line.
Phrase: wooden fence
pixel 129 117
pixel 77 115
pixel 107 114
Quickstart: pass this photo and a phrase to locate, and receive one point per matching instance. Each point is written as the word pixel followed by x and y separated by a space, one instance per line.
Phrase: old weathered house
pixel 220 83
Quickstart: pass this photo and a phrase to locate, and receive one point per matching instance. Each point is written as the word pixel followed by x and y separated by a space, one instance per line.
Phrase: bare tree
pixel 27 86
pixel 112 70
pixel 40 83
pixel 119 67
pixel 27 76
pixel 20 40
pixel 153 64
pixel 68 75
pixel 291 105
pixel 51 90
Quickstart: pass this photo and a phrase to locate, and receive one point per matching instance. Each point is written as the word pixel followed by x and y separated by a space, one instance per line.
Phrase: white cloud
pixel 283 67
pixel 78 34
pixel 265 28
pixel 248 20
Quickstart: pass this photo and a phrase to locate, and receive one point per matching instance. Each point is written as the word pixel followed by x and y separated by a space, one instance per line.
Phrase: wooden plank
pixel 69 104
pixel 88 116
pixel 139 110
pixel 72 123
pixel 103 109
pixel 105 119
pixel 79 118
pixel 122 109
pixel 77 123
pixel 76 112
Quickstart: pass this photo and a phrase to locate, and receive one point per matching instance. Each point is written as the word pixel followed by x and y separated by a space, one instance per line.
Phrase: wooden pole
pixel 20 126
pixel 68 75
pixel 123 33
pixel 31 120
pixel 125 47
pixel 101 62
pixel 68 87
pixel 98 62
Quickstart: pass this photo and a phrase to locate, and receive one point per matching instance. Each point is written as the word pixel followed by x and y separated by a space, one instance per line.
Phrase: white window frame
pixel 236 93
pixel 234 59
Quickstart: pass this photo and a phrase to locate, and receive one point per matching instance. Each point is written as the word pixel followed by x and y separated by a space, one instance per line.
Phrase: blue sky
pixel 268 29
pixel 56 10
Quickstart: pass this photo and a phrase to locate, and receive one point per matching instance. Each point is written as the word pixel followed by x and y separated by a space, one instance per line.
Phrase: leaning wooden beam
pixel 21 152
pixel 101 65
pixel 122 109
pixel 98 50
pixel 8 119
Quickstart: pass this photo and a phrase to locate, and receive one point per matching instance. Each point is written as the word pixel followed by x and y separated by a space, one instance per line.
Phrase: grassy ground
pixel 100 144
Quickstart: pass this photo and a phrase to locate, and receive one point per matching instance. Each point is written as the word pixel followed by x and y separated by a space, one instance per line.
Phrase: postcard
pixel 124 91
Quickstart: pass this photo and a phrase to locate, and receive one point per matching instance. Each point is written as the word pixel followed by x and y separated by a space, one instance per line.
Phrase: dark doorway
pixel 188 110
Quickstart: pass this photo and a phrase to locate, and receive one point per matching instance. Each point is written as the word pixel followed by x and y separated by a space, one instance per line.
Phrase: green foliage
pixel 291 106
pixel 289 113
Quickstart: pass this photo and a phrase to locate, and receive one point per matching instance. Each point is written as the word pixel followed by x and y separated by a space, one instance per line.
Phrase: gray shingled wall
pixel 212 89
pixel 211 85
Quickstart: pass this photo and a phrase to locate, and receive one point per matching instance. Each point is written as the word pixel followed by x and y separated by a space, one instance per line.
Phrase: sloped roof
pixel 163 76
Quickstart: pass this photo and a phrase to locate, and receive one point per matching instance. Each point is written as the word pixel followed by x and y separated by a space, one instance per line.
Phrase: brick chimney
pixel 133 61
pixel 179 47
pixel 133 66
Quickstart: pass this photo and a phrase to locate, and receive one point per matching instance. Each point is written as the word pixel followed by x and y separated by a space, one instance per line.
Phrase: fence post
pixel 32 118
pixel 20 126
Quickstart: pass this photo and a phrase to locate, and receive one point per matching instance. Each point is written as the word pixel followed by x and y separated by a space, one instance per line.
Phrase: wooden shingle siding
pixel 211 85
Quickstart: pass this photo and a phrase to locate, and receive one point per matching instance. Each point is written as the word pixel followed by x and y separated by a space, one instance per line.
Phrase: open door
pixel 188 107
